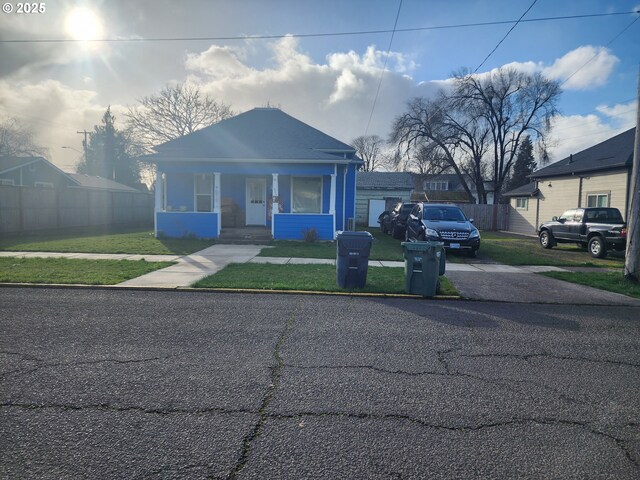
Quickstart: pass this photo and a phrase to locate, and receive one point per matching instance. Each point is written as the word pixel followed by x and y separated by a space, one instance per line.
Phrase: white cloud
pixel 335 96
pixel 584 68
pixel 54 112
pixel 574 133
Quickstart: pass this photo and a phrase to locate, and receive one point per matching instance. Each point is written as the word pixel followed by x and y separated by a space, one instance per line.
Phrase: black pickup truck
pixel 598 229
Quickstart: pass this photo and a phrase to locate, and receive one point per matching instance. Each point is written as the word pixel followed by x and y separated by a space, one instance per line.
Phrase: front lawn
pixel 307 277
pixel 511 249
pixel 100 240
pixel 64 270
pixel 383 248
pixel 611 281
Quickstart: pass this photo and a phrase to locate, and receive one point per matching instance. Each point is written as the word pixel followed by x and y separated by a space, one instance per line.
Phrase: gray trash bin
pixel 424 262
pixel 352 258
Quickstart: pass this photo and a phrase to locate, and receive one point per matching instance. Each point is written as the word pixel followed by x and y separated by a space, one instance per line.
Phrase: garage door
pixel 376 207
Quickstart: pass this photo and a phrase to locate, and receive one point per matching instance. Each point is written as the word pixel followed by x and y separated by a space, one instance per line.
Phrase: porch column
pixel 158 201
pixel 216 199
pixel 332 199
pixel 275 205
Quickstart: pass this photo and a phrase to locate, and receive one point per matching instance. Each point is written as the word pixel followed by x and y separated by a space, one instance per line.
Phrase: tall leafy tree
pixel 110 153
pixel 524 165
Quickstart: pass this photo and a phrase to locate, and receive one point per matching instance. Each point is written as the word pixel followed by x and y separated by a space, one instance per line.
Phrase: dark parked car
pixel 387 218
pixel 597 229
pixel 399 224
pixel 443 223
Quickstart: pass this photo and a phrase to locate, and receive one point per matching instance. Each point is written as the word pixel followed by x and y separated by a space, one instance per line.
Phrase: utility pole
pixel 85 144
pixel 632 260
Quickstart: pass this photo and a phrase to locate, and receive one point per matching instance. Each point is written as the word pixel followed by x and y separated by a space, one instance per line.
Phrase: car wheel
pixel 597 247
pixel 546 239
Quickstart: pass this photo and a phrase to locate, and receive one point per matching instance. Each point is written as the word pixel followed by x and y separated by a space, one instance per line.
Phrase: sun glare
pixel 83 24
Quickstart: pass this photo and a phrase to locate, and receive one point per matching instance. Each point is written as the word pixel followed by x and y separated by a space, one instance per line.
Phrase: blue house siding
pixel 291 227
pixel 233 186
pixel 248 169
pixel 187 224
pixel 350 194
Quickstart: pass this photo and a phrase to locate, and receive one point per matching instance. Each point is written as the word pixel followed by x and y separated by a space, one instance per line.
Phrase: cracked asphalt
pixel 140 384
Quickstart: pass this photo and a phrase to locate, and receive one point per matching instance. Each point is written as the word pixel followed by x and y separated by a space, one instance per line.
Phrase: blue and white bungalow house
pixel 260 168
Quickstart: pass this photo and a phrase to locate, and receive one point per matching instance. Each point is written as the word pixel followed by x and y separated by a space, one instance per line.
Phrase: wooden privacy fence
pixel 25 209
pixel 487 217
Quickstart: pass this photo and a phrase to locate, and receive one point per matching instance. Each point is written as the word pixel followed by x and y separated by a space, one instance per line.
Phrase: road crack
pixel 276 372
pixel 529 356
pixel 106 407
pixel 468 428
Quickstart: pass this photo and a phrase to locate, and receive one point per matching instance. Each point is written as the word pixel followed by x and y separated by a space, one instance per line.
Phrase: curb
pixel 77 286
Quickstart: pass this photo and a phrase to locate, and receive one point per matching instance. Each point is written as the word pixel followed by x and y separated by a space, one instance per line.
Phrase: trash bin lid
pixel 350 235
pixel 420 246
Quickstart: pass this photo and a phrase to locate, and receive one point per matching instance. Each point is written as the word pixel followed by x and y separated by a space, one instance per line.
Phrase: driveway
pixel 138 384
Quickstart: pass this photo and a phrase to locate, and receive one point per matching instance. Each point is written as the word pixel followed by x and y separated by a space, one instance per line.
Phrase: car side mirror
pixel 413 217
pixel 471 220
pixel 562 220
pixel 554 219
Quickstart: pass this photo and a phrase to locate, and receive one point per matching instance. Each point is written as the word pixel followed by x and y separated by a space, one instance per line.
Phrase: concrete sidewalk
pixel 493 282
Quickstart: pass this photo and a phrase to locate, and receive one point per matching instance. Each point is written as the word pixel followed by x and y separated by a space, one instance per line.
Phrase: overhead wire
pixel 312 35
pixel 384 68
pixel 505 37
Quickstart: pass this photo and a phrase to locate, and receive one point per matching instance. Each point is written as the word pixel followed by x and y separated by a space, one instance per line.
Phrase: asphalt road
pixel 123 384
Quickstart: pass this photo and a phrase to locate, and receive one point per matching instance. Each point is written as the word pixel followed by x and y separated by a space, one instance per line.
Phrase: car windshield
pixel 446 214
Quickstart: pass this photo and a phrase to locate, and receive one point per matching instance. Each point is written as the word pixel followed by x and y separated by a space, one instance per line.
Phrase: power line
pixel 600 51
pixel 506 35
pixel 312 35
pixel 384 68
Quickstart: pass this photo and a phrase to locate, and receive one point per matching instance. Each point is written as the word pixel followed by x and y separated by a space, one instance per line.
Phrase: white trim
pixel 321 177
pixel 7 182
pixel 181 159
pixel 20 166
pixel 216 199
pixel 332 197
pixel 344 198
pixel 43 184
pixel 246 200
pixel 195 193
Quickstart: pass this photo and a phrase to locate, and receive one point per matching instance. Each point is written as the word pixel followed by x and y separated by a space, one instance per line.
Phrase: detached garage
pixel 376 191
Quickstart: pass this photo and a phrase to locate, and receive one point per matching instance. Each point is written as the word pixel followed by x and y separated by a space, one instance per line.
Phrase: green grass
pixel 611 281
pixel 307 277
pixel 64 270
pixel 102 241
pixel 520 250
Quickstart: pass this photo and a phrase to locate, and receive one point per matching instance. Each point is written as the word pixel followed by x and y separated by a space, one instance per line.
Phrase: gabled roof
pixel 528 190
pixel 261 133
pixel 384 181
pixel 100 183
pixel 11 163
pixel 617 152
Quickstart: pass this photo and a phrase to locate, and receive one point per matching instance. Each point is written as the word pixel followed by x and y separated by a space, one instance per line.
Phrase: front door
pixel 256 201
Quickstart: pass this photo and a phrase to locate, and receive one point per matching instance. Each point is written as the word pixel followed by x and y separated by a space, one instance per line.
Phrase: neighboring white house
pixel 596 177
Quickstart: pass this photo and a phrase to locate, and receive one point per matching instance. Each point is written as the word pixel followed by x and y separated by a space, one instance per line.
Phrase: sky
pixel 60 87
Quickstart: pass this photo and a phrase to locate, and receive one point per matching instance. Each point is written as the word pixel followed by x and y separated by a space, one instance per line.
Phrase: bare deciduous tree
pixel 17 140
pixel 369 149
pixel 475 128
pixel 174 112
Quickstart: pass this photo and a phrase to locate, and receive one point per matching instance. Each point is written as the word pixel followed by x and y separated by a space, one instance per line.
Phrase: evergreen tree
pixel 523 166
pixel 110 153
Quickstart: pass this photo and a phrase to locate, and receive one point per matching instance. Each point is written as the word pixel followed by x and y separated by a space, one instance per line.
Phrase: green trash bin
pixel 424 262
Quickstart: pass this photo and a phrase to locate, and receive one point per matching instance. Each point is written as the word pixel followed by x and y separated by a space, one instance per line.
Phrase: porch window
pixel 598 200
pixel 204 192
pixel 306 194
